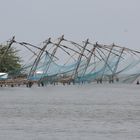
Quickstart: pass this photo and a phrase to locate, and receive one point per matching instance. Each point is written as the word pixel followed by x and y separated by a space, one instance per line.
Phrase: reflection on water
pixel 71 112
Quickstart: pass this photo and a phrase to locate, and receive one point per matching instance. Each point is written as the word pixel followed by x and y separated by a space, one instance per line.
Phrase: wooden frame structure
pixel 79 62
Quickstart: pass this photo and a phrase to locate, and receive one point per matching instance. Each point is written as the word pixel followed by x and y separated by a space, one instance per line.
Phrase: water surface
pixel 100 112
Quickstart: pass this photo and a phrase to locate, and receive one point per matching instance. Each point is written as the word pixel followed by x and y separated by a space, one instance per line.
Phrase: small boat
pixel 3 76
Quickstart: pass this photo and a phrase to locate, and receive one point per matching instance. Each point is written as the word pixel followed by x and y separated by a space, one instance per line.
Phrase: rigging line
pixel 117 63
pixel 36 62
pixel 61 47
pixel 109 47
pixel 51 47
pixel 99 46
pixel 31 45
pixel 52 55
pixel 80 58
pixel 80 49
pixel 95 66
pixel 78 52
pixel 73 50
pixel 64 50
pixel 101 51
pixel 127 49
pixel 104 61
pixel 36 47
pixel 89 59
pixel 108 50
pixel 74 43
pixel 72 56
pixel 128 67
pixel 82 46
pixel 111 53
pixel 73 69
pixel 133 53
pixel 28 48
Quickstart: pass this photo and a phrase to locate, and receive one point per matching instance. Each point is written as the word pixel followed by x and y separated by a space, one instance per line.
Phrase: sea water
pixel 74 112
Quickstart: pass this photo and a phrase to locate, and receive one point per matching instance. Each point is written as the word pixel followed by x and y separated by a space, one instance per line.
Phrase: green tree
pixel 9 60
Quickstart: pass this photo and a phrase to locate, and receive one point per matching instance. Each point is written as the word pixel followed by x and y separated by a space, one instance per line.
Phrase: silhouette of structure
pixel 65 61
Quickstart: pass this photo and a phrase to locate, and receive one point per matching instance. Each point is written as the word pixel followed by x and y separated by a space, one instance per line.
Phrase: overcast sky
pixel 105 21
